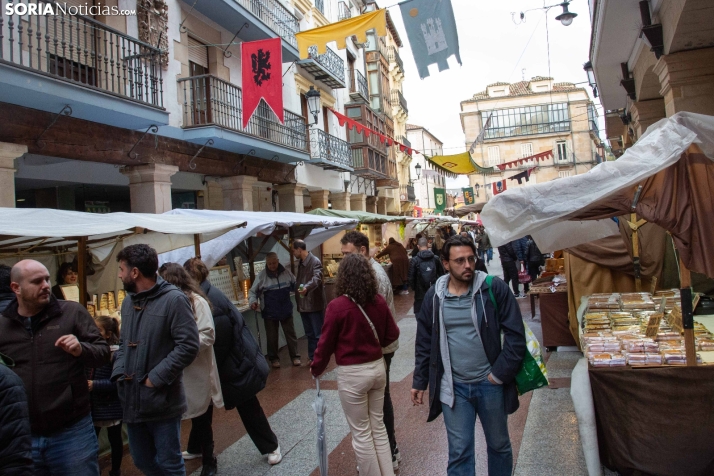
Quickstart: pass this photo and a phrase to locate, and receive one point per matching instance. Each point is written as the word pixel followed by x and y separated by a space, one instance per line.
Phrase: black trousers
pixel 116 443
pixel 417 306
pixel 510 273
pixel 200 440
pixel 388 407
pixel 533 268
pixel 257 426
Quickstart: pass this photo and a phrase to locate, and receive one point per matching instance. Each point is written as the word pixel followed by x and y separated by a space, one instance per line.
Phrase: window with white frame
pixel 564 173
pixel 494 156
pixel 561 151
pixel 526 149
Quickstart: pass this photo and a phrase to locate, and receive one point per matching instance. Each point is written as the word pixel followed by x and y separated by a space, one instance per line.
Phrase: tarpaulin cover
pixel 676 194
pixel 366 218
pixel 257 223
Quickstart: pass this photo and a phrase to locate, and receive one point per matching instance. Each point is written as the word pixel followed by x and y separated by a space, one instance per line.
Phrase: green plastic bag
pixel 532 373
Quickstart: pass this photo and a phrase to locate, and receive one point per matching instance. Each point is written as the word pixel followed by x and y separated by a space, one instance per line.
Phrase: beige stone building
pixel 526 118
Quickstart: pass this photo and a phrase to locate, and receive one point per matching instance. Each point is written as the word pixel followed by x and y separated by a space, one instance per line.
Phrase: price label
pixel 653 325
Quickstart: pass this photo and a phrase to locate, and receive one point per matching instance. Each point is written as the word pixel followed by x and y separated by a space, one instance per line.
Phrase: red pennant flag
pixel 501 167
pixel 499 187
pixel 262 65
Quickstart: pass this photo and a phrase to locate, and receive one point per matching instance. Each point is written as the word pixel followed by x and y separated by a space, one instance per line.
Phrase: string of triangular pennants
pixel 537 157
pixel 362 129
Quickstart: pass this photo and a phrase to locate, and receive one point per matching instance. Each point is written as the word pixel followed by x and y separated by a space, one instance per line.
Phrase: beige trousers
pixel 361 390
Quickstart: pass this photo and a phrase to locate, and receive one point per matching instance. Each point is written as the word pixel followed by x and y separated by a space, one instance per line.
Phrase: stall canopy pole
pixel 290 251
pixel 635 226
pixel 82 267
pixel 197 245
pixel 687 314
pixel 251 266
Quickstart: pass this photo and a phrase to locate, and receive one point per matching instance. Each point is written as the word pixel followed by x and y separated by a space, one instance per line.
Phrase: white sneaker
pixel 188 456
pixel 395 463
pixel 275 457
pixel 404 293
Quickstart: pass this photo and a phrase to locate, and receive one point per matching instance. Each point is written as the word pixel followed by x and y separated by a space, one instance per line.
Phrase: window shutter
pixel 197 52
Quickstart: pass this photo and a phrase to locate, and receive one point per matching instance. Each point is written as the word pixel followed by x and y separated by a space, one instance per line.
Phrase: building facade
pixel 527 118
pixel 663 65
pixel 429 177
pixel 143 112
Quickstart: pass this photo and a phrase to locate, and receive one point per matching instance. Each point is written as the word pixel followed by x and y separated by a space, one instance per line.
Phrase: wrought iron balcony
pixel 276 17
pixel 399 101
pixel 329 152
pixel 328 68
pixel 208 100
pixel 82 51
pixel 406 193
pixel 358 84
pixel 395 58
pixel 343 11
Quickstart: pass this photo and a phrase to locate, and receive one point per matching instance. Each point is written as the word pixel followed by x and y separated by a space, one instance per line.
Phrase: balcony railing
pixel 395 58
pixel 399 101
pixel 82 51
pixel 330 61
pixel 330 148
pixel 403 140
pixel 208 100
pixel 343 11
pixel 275 16
pixel 358 84
pixel 406 193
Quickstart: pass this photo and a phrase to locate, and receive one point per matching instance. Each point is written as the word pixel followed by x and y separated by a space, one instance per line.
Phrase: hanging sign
pixel 469 198
pixel 262 66
pixel 439 199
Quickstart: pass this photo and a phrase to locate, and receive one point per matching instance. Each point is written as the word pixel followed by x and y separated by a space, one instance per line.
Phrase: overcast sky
pixel 493 48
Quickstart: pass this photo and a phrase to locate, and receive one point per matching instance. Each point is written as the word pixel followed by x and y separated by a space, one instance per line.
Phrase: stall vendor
pixel 400 264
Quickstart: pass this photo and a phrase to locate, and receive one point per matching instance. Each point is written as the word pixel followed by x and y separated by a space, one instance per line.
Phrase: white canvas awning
pixel 548 211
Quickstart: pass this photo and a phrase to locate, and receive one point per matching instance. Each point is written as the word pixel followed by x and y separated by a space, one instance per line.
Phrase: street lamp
pixel 588 67
pixel 313 102
pixel 417 169
pixel 566 18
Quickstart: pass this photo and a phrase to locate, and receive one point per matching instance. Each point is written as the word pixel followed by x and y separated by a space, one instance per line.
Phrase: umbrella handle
pixel 317 384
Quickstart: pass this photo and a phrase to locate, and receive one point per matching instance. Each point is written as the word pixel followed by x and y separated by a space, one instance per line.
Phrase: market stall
pixel 666 179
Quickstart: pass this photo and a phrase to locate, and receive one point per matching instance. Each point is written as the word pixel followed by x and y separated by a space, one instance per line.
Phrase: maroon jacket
pixel 56 386
pixel 347 334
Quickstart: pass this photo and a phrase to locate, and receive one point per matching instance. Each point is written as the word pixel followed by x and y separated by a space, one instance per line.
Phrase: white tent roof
pixel 257 223
pixel 542 210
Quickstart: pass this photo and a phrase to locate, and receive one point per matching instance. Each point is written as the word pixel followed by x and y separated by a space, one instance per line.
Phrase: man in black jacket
pixel 159 339
pixel 6 294
pixel 15 436
pixel 424 270
pixel 460 357
pixel 510 263
pixel 51 343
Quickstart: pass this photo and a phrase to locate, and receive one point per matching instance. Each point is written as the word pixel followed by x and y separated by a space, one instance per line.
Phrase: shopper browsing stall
pixel 310 294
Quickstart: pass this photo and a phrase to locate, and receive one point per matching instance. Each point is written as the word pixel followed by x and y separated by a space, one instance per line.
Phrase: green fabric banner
pixel 469 198
pixel 439 199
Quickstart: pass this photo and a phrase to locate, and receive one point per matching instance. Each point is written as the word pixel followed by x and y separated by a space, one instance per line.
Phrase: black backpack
pixel 427 272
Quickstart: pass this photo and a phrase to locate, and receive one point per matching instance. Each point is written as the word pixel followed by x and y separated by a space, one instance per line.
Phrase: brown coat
pixel 400 262
pixel 309 273
pixel 55 381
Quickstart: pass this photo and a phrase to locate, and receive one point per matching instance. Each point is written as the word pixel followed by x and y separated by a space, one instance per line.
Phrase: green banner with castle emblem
pixel 439 199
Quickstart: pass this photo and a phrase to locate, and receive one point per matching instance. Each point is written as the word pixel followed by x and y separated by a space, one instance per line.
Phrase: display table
pixel 655 421
pixel 554 319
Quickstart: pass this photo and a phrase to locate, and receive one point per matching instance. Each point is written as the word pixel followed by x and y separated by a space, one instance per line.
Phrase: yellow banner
pixel 458 163
pixel 340 31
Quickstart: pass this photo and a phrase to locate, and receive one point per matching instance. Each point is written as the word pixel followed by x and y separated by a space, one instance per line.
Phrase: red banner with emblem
pixel 262 68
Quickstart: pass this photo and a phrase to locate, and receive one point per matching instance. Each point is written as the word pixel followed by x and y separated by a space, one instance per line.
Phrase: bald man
pixel 51 343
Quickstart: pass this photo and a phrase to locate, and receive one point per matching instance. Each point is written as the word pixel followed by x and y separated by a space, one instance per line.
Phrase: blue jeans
pixel 312 322
pixel 156 447
pixel 485 400
pixel 72 451
pixel 489 253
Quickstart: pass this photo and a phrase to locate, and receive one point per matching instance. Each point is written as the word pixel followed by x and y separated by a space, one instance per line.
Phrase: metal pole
pixel 82 268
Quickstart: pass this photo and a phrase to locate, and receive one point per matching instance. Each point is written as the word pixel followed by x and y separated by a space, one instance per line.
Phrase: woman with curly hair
pixel 357 325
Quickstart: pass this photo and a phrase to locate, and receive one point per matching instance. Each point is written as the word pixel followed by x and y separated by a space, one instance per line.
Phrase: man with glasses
pixel 460 356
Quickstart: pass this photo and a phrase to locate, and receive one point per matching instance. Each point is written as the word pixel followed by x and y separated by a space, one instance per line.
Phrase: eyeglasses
pixel 461 261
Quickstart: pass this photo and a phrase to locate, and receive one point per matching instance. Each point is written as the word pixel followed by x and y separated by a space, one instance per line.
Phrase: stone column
pixel 8 153
pixel 382 205
pixel 358 202
pixel 263 197
pixel 372 204
pixel 213 198
pixel 238 192
pixel 150 187
pixel 392 207
pixel 687 81
pixel 320 199
pixel 341 201
pixel 646 113
pixel 291 197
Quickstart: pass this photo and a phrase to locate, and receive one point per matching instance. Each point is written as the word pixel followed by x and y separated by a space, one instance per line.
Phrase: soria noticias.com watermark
pixel 62 8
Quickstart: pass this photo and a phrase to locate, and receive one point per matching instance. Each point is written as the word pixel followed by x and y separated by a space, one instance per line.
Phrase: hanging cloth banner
pixel 460 164
pixel 537 157
pixel 499 187
pixel 439 199
pixel 526 174
pixel 362 129
pixel 431 29
pixel 469 198
pixel 339 31
pixel 262 64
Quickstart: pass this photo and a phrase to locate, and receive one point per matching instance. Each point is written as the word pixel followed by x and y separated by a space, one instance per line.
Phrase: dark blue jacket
pixel 505 359
pixel 5 300
pixel 507 253
pixel 104 397
pixel 520 246
pixel 15 436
